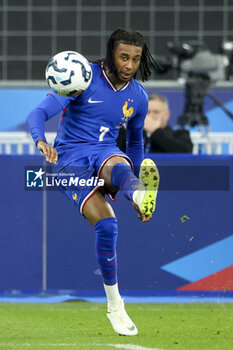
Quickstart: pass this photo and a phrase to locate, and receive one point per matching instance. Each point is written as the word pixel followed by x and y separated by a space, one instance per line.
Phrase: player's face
pixel 127 60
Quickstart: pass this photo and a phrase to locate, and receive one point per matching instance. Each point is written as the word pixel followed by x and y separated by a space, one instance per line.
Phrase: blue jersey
pixel 94 116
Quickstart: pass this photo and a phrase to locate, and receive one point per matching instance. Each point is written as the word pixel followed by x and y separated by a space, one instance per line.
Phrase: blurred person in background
pixel 159 137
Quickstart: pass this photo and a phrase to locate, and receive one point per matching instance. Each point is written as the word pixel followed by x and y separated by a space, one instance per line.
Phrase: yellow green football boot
pixel 145 196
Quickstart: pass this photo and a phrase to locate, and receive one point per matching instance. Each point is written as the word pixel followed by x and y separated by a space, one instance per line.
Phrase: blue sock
pixel 106 238
pixel 123 178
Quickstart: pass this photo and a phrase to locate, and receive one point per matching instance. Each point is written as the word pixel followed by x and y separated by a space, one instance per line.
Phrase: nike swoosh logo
pixel 92 101
pixel 111 258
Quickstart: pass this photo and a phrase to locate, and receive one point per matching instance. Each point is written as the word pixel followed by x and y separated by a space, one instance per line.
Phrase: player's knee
pixel 107 228
pixel 106 172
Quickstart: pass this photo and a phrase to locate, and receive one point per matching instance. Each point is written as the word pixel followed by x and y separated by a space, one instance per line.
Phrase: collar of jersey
pixel 110 83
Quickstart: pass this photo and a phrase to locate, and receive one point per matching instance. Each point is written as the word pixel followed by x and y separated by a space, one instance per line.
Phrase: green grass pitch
pixel 83 325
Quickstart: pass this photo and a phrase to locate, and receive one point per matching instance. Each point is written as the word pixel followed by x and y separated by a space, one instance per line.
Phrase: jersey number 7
pixel 103 130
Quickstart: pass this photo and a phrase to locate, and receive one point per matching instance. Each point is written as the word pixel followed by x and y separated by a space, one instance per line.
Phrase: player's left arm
pixel 135 143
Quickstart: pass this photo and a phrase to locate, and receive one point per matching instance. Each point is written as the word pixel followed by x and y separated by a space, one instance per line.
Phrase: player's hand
pixel 141 216
pixel 48 151
pixel 151 125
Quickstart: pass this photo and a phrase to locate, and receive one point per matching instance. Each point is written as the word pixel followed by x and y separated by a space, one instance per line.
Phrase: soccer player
pixel 86 140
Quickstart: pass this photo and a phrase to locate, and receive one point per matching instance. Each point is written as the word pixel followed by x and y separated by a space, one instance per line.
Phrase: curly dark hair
pixel 130 38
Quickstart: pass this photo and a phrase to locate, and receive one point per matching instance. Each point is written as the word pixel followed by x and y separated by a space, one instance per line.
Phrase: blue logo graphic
pixel 35 178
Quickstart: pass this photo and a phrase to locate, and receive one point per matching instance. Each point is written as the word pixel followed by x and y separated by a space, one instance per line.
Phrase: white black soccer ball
pixel 68 73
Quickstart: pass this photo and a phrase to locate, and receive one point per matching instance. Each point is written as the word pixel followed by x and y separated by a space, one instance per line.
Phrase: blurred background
pixel 185 37
pixel 34 30
pixel 42 237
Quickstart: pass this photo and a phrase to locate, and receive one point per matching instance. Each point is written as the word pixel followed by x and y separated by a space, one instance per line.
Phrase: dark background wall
pixel 31 31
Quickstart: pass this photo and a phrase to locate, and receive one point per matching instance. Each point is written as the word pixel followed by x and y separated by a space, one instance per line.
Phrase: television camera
pixel 199 68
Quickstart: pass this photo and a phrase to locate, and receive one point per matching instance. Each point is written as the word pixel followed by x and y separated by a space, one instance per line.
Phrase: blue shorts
pixel 85 162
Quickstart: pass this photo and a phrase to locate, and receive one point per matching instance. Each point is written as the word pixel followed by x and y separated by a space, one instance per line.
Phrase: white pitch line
pixel 118 346
pixel 131 347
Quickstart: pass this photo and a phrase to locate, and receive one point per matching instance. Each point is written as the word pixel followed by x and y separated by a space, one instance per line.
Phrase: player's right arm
pixel 48 151
pixel 48 108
